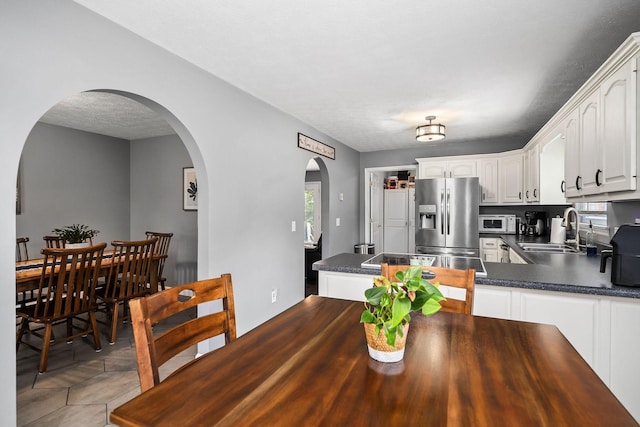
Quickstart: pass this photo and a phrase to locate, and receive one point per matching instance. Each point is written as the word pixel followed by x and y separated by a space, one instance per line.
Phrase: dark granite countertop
pixel 573 273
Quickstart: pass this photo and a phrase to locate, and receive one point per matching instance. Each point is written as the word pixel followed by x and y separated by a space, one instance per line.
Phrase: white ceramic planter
pixel 379 349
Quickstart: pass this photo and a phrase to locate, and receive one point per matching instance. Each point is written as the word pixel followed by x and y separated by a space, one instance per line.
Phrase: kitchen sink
pixel 558 248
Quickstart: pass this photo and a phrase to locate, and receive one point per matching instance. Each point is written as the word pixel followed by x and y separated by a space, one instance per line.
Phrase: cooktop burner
pixel 435 260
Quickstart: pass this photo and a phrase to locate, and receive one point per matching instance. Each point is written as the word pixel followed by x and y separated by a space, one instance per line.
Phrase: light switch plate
pixel 293 226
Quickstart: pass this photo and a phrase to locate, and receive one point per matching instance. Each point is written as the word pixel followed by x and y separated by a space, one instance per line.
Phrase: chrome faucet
pixel 566 222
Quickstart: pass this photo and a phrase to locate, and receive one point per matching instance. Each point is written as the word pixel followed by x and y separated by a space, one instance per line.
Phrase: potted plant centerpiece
pixel 388 307
pixel 75 235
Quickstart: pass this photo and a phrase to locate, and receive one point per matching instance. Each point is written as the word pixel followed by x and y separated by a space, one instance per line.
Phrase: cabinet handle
pixel 527 194
pixel 535 192
pixel 483 196
pixel 578 180
pixel 519 195
pixel 598 172
pixel 562 184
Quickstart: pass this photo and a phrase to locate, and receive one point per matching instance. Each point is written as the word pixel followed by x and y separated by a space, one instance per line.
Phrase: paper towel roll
pixel 558 232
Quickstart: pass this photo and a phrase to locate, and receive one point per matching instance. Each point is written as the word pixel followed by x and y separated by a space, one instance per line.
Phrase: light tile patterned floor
pixel 81 387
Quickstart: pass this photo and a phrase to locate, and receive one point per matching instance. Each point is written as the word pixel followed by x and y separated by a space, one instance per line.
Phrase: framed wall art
pixel 189 189
pixel 310 144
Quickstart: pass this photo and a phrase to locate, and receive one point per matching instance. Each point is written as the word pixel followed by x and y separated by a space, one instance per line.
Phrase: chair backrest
pixel 130 269
pixel 456 285
pixel 68 281
pixel 153 351
pixel 53 242
pixel 162 248
pixel 22 254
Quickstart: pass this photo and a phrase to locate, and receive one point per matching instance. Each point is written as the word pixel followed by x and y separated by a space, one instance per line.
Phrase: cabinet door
pixel 532 193
pixel 492 302
pixel 618 146
pixel 435 169
pixel 488 178
pixel 511 179
pixel 462 168
pixel 589 135
pixel 571 154
pixel 574 315
pixel 412 219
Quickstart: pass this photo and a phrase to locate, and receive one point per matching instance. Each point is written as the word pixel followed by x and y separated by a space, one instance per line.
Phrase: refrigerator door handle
pixel 448 211
pixel 442 212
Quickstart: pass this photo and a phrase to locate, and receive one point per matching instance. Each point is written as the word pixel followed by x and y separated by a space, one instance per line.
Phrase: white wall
pixel 252 184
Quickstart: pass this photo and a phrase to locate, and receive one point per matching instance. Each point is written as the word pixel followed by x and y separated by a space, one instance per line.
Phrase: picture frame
pixel 307 143
pixel 189 189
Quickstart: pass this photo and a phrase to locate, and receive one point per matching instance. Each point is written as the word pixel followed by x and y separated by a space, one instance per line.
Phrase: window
pixel 594 213
pixel 312 212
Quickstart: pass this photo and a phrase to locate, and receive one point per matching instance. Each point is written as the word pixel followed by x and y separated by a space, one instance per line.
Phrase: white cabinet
pixel 511 179
pixel 600 135
pixel 488 178
pixel 446 168
pixel 514 258
pixel 490 249
pixel 618 154
pixel 532 174
pixel 491 301
pixel 399 223
pixel 624 370
pixel 344 285
pixel 552 184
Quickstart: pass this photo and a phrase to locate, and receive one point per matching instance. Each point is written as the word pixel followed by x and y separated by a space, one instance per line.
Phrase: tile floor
pixel 81 386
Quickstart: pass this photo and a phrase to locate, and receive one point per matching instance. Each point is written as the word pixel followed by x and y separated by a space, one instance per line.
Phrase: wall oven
pixel 497 224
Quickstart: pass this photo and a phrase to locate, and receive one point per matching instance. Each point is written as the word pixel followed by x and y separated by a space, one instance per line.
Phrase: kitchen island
pixel 566 290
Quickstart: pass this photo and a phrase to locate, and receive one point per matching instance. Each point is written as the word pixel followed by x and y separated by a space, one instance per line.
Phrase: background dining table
pixel 309 366
pixel 28 272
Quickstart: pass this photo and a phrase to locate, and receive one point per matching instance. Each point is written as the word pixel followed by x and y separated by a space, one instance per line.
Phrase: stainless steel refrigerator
pixel 447 216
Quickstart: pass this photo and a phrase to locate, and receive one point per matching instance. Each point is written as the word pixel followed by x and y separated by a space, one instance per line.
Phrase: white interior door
pixel 396 221
pixel 376 215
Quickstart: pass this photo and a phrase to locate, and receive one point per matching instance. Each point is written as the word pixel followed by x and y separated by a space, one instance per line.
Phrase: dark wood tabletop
pixel 309 366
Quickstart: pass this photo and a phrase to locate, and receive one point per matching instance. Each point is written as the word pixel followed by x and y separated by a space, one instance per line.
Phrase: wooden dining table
pixel 309 366
pixel 28 272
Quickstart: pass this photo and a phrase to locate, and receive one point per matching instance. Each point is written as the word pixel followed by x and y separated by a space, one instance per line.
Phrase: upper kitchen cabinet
pixel 532 174
pixel 552 183
pixel 511 177
pixel 619 97
pixel 488 178
pixel 443 168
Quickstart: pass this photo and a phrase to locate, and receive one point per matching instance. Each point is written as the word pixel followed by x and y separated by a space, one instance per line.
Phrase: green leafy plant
pixel 76 233
pixel 389 304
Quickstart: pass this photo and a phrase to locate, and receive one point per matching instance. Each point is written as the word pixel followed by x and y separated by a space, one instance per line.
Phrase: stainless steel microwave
pixel 498 224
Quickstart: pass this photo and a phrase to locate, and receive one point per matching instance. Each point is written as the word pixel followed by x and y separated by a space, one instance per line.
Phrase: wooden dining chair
pixel 161 252
pixel 22 253
pixel 53 242
pixel 128 278
pixel 66 291
pixel 153 350
pixel 457 286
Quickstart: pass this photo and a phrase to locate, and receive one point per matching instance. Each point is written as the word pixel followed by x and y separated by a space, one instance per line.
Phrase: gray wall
pixel 252 185
pixel 156 202
pixel 68 177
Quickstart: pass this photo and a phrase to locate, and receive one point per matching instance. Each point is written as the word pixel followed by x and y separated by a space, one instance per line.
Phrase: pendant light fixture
pixel 430 132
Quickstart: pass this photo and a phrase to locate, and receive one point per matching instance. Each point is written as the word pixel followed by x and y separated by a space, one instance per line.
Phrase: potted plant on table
pixel 388 308
pixel 75 235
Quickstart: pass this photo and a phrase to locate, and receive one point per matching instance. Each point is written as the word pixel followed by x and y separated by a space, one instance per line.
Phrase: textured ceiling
pixel 367 72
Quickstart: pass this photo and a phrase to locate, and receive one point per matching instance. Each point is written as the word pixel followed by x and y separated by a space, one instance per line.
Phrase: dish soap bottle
pixel 592 249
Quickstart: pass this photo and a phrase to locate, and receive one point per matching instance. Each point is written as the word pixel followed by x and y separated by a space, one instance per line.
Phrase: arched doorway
pixel 316 186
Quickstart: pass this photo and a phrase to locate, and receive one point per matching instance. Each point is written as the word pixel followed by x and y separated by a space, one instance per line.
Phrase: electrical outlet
pixel 274 295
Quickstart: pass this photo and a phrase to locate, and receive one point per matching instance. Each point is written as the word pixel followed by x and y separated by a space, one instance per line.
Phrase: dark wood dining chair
pixel 66 291
pixel 22 252
pixel 128 278
pixel 152 351
pixel 455 301
pixel 161 252
pixel 53 242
